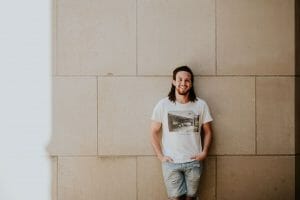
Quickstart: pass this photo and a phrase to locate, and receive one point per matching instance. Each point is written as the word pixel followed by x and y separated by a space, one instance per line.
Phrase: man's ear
pixel 174 83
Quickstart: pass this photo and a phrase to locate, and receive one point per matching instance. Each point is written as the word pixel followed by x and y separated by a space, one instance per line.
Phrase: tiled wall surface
pixel 112 63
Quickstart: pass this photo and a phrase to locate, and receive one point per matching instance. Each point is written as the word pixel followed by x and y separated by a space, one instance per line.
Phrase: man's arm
pixel 207 141
pixel 155 141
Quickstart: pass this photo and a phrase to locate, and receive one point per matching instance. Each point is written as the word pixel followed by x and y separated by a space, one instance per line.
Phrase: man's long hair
pixel 192 94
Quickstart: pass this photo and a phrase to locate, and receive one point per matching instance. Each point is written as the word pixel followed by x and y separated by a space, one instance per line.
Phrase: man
pixel 180 116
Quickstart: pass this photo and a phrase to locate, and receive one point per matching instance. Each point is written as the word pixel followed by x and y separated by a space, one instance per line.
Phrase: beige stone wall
pixel 112 63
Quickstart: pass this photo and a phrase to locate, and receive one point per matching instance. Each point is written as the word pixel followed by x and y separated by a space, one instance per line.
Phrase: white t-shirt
pixel 181 127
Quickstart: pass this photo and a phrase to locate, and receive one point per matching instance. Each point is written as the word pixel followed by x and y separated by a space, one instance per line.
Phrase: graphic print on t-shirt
pixel 183 121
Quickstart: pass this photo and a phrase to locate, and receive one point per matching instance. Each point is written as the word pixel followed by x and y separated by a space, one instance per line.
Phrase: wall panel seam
pixel 216 178
pixel 136 37
pixel 255 115
pixel 54 37
pixel 57 177
pixel 55 42
pixel 133 156
pixel 136 177
pixel 216 39
pixel 153 76
pixel 258 155
pixel 97 102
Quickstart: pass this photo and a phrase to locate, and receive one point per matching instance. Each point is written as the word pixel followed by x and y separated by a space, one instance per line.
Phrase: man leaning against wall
pixel 180 117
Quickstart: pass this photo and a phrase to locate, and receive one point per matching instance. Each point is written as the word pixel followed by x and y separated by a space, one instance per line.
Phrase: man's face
pixel 183 82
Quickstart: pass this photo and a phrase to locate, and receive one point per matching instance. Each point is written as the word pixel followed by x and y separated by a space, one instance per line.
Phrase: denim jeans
pixel 182 178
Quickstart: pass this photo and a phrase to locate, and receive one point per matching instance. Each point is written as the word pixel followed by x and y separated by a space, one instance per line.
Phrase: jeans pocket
pixel 196 163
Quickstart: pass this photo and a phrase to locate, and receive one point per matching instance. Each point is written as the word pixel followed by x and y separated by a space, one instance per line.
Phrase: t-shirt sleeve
pixel 157 113
pixel 206 117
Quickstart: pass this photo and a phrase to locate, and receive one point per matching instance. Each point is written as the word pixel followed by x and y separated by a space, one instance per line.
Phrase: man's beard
pixel 183 93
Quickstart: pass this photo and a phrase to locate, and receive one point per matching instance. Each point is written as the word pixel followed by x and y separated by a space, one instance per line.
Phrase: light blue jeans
pixel 182 178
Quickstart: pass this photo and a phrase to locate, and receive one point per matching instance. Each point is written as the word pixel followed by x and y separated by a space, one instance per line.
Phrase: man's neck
pixel 182 98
